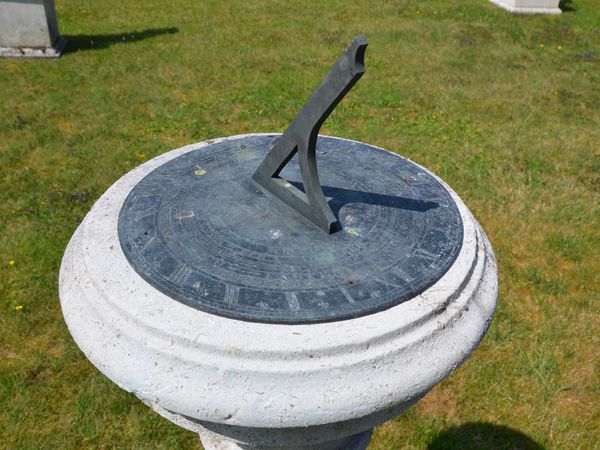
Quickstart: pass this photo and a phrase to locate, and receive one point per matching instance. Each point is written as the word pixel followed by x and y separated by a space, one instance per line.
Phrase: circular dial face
pixel 201 231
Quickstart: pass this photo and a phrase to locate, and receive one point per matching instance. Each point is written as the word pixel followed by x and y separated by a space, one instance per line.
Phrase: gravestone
pixel 29 29
pixel 269 302
pixel 529 6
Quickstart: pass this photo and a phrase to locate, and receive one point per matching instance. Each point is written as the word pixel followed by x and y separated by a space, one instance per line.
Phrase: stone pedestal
pixel 29 29
pixel 245 385
pixel 529 6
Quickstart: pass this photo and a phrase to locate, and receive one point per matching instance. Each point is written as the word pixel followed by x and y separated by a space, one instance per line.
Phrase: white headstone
pixel 28 28
pixel 529 6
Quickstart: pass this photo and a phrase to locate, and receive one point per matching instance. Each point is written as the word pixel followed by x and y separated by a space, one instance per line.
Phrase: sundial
pixel 280 291
pixel 242 229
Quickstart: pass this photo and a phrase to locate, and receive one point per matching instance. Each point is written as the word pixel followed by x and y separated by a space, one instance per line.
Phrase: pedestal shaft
pixel 211 441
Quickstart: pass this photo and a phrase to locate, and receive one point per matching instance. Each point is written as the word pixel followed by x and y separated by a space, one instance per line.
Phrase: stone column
pixel 360 441
pixel 529 6
pixel 29 29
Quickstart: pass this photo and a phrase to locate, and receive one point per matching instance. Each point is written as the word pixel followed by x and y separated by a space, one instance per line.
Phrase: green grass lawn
pixel 505 108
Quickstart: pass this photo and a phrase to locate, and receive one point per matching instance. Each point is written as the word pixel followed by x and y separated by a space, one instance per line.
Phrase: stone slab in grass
pixel 529 6
pixel 29 29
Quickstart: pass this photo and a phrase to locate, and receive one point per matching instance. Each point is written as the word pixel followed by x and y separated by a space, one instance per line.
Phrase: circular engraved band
pixel 198 229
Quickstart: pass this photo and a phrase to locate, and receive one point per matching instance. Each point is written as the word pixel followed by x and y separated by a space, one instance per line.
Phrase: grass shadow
pixel 482 435
pixel 566 5
pixel 100 41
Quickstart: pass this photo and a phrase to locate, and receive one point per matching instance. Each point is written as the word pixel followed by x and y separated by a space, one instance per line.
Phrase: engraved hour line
pixel 183 215
pixel 347 295
pixel 148 242
pixel 148 211
pixel 231 294
pixel 402 274
pixel 389 283
pixel 181 274
pixel 425 254
pixel 292 301
pixel 435 229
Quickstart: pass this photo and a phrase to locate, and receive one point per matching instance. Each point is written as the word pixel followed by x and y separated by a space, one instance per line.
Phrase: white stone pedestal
pixel 29 29
pixel 529 6
pixel 248 385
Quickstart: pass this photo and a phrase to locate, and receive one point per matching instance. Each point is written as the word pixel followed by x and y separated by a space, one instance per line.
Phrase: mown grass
pixel 505 108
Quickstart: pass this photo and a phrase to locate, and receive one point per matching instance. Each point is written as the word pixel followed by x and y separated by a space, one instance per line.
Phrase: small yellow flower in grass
pixel 559 47
pixel 11 262
pixel 541 45
pixel 19 307
pixel 140 155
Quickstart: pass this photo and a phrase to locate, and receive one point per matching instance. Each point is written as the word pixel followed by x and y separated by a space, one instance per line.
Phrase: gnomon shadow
pixel 340 197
